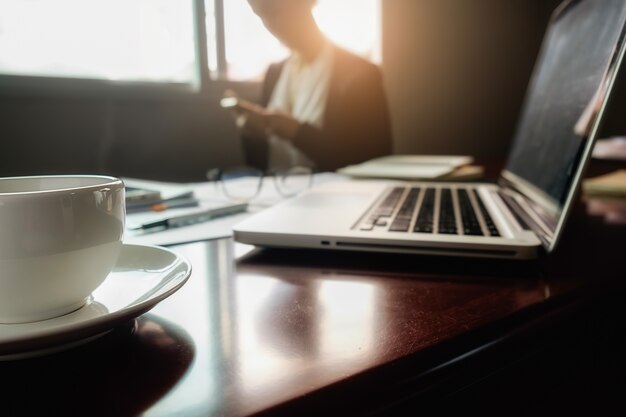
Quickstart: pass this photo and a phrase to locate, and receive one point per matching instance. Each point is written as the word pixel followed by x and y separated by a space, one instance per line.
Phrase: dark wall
pixel 456 72
pixel 156 137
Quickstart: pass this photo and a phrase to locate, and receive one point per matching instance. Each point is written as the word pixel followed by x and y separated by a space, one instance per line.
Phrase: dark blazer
pixel 356 120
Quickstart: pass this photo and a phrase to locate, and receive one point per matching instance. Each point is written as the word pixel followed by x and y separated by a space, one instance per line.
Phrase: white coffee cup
pixel 60 237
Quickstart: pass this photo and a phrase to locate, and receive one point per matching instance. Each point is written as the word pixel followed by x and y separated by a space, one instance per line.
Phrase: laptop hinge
pixel 528 216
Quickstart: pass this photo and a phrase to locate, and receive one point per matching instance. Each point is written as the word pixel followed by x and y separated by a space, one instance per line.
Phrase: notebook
pixel 408 167
pixel 517 218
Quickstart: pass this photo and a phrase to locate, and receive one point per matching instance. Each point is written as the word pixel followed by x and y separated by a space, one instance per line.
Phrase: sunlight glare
pixel 250 48
pixel 352 24
pixel 131 40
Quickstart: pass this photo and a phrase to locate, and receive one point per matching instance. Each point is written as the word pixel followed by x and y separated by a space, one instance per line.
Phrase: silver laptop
pixel 521 215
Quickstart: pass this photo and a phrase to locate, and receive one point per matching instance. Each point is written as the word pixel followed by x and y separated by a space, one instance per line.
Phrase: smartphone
pixel 231 103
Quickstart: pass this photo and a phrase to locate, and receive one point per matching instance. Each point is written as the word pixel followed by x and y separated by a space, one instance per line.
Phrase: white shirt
pixel 302 91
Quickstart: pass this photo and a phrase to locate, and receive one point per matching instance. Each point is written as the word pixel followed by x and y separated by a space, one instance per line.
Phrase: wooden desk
pixel 281 332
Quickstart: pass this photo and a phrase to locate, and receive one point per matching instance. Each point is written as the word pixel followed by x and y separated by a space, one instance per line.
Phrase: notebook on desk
pixel 515 218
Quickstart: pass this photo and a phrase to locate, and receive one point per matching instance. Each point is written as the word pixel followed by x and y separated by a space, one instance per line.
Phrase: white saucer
pixel 142 277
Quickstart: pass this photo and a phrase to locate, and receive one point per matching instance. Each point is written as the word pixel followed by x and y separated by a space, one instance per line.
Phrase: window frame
pixel 202 85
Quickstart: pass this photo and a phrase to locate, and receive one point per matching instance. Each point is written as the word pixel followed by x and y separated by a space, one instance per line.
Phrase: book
pixel 144 196
pixel 416 167
pixel 465 173
pixel 613 184
pixel 612 209
pixel 141 195
pixel 610 148
pixel 186 199
pixel 139 198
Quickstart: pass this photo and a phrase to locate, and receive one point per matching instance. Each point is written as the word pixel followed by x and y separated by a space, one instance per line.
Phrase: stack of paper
pixel 611 148
pixel 606 196
pixel 613 184
pixel 211 199
pixel 142 195
pixel 416 167
pixel 208 204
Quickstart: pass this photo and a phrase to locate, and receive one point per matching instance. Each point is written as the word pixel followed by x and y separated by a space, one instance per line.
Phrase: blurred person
pixel 323 106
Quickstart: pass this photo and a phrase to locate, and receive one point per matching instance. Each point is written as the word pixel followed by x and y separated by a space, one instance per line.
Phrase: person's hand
pixel 259 122
pixel 282 124
pixel 249 117
pixel 253 121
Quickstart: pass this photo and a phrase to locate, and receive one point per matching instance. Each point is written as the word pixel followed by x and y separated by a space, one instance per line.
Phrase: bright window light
pixel 125 40
pixel 250 48
pixel 353 24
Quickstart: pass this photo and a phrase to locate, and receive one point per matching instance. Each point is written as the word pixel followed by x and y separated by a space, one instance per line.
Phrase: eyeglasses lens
pixel 242 184
pixel 293 180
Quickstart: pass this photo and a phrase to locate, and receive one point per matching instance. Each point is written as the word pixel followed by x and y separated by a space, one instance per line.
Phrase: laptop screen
pixel 572 78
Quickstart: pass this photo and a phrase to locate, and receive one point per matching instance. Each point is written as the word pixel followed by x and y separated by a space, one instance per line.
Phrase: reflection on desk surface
pixel 122 373
pixel 254 330
pixel 275 330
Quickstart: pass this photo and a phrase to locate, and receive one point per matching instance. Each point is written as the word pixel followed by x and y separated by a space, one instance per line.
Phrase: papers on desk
pixel 611 209
pixel 416 167
pixel 610 185
pixel 611 148
pixel 209 196
pixel 141 195
pixel 217 228
pixel 152 222
pixel 606 196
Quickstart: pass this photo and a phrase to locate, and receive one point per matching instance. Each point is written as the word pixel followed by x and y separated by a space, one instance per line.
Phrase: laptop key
pixel 471 226
pixel 447 219
pixel 381 222
pixel 425 217
pixel 423 228
pixel 406 211
pixel 400 225
pixel 493 230
pixel 402 221
pixel 388 205
pixel 382 213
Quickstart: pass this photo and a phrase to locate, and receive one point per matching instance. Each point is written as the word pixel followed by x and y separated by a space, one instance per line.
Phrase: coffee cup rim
pixel 107 181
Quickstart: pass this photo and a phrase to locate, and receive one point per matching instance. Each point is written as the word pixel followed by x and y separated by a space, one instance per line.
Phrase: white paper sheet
pixel 209 193
pixel 407 167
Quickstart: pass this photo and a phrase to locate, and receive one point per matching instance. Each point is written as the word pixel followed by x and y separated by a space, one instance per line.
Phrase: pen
pixel 192 202
pixel 193 218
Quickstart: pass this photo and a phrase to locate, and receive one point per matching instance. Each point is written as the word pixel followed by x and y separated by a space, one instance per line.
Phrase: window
pixel 240 48
pixel 121 40
pixel 162 41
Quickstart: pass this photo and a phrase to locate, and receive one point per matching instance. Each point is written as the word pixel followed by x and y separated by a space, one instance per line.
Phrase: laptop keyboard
pixel 449 211
pixel 402 221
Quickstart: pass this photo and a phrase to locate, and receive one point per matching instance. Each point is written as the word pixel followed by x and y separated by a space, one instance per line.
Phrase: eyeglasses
pixel 244 183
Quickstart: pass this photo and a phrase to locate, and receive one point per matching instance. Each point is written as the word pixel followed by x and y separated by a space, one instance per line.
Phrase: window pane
pixel 130 40
pixel 250 48
pixel 211 33
pixel 352 24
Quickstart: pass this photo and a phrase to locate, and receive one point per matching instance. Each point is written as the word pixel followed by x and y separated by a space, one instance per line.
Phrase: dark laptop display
pixel 566 94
